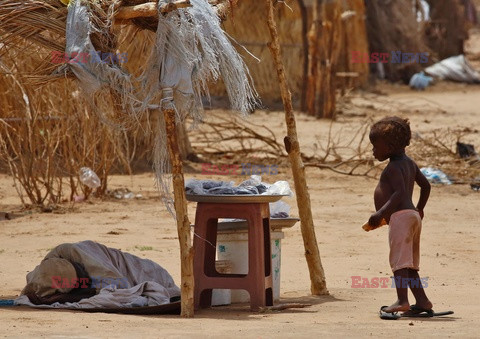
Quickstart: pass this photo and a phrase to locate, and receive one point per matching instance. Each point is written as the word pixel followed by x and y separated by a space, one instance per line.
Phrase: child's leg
pixel 401 304
pixel 418 290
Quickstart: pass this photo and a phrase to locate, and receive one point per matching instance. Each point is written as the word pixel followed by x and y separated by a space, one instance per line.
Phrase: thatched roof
pixel 37 27
pixel 248 27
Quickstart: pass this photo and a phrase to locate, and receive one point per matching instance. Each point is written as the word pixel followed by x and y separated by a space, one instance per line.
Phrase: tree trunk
pixel 180 203
pixel 312 254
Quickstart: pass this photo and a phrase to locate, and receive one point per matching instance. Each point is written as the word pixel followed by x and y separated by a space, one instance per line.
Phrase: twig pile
pixel 348 152
pixel 236 139
pixel 438 149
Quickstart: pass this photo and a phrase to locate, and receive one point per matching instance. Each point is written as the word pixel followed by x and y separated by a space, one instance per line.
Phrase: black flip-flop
pixel 388 315
pixel 414 312
pixel 418 312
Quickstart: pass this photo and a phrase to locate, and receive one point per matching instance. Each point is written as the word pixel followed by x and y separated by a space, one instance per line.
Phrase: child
pixel 393 202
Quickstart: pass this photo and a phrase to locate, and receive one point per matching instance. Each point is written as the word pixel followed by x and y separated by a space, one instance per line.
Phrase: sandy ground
pixel 450 242
pixel 450 245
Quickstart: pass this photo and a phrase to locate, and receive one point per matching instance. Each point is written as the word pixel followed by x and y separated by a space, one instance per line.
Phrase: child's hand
pixel 375 219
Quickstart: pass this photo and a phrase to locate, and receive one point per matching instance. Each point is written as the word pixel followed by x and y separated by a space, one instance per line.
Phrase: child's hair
pixel 394 130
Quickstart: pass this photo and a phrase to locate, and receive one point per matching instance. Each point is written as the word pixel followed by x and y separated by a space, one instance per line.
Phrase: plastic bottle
pixel 89 178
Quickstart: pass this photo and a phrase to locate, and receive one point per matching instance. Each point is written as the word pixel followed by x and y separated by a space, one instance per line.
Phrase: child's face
pixel 381 150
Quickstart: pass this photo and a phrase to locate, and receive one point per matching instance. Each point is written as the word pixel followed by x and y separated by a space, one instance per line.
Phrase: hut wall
pixel 354 40
pixel 393 26
pixel 249 28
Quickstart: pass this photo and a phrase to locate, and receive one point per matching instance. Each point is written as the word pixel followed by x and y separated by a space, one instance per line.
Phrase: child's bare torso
pixel 384 191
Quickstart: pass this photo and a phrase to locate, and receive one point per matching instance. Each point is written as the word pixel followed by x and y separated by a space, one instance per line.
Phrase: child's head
pixel 390 136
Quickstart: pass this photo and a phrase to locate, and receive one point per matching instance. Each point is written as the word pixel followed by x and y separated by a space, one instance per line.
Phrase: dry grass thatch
pixel 37 28
pixel 393 26
pixel 248 27
pixel 447 29
pixel 48 134
pixel 52 132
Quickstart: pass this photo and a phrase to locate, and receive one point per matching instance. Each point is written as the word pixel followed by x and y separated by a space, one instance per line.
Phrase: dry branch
pixel 282 307
pixel 347 151
pixel 238 140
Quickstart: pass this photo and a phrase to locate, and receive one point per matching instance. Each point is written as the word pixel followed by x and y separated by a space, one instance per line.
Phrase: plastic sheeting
pixel 455 68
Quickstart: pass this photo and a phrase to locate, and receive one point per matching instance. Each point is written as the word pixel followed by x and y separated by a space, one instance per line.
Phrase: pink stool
pixel 258 280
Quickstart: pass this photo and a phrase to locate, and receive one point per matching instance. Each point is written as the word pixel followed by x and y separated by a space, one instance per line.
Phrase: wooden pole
pixel 180 203
pixel 324 49
pixel 331 43
pixel 304 16
pixel 149 9
pixel 312 254
pixel 356 41
pixel 311 95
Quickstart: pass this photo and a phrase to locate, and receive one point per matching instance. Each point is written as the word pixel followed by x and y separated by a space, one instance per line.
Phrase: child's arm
pixel 424 190
pixel 397 183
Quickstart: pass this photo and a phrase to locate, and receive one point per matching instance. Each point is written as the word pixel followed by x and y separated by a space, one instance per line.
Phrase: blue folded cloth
pixel 6 302
pixel 420 81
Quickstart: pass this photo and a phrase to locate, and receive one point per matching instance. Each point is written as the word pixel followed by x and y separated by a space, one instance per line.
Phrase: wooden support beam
pixel 312 254
pixel 149 9
pixel 180 203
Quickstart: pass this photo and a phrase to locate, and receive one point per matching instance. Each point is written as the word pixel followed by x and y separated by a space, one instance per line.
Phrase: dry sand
pixel 450 245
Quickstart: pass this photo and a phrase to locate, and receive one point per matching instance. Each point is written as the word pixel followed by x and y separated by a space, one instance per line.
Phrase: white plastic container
pixel 222 296
pixel 232 245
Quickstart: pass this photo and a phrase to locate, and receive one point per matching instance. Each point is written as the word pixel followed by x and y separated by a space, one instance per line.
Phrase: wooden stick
pixel 312 254
pixel 311 95
pixel 149 9
pixel 282 307
pixel 183 224
pixel 304 16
